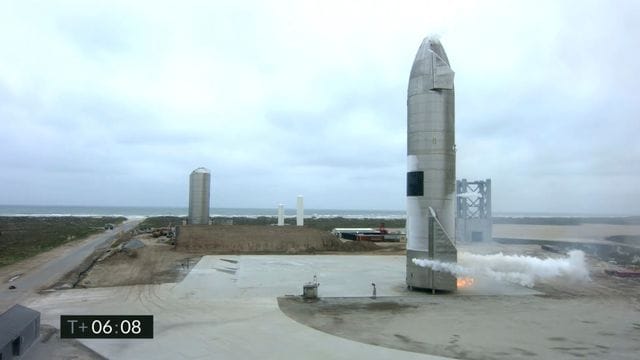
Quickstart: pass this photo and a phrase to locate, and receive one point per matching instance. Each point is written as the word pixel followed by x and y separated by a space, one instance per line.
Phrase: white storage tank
pixel 199 194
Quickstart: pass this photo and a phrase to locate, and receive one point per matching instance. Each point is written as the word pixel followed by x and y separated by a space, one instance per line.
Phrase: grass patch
pixel 22 237
pixel 160 221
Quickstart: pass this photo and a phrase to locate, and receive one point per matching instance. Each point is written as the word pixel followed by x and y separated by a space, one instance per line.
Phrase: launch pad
pixel 237 307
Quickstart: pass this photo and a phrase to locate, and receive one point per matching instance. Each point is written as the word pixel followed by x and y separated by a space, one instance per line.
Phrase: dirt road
pixel 28 277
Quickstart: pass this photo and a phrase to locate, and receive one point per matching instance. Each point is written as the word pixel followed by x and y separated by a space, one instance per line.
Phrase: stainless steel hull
pixel 424 278
pixel 431 162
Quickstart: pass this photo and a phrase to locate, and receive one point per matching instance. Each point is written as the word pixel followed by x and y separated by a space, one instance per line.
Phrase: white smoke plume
pixel 519 269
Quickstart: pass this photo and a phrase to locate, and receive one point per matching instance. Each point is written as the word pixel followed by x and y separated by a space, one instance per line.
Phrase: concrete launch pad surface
pixel 227 308
pixel 481 327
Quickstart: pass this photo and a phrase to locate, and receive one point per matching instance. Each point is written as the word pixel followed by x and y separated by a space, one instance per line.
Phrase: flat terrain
pixel 227 308
pixel 158 261
pixel 247 239
pixel 236 306
pixel 482 327
pixel 22 237
pixel 558 319
pixel 35 274
pixel 155 263
pixel 324 224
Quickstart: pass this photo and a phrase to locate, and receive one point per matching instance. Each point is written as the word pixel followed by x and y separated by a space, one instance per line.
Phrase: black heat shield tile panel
pixel 415 183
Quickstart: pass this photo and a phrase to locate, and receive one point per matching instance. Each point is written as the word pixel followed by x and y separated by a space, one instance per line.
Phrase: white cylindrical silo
pixel 199 195
pixel 280 215
pixel 300 211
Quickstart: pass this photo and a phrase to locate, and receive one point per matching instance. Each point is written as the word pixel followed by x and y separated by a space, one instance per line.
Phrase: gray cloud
pixel 116 103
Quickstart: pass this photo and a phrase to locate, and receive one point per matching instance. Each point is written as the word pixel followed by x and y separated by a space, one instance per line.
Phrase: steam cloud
pixel 520 269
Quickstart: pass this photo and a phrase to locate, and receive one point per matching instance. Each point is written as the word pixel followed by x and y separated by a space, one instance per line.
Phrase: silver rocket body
pixel 431 167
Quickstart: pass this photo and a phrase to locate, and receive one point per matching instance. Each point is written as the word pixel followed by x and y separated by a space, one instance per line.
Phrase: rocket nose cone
pixel 432 44
pixel 431 69
pixel 425 60
pixel 437 48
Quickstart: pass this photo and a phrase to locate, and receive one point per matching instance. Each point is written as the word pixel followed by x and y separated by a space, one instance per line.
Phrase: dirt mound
pixel 156 262
pixel 248 239
pixel 355 246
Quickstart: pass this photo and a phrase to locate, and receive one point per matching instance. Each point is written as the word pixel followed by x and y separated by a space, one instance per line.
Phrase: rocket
pixel 431 167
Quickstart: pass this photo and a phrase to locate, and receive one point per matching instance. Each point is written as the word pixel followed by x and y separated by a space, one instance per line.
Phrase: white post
pixel 300 212
pixel 280 215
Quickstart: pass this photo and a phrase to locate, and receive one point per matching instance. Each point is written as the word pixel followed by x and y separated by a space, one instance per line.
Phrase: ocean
pixel 139 211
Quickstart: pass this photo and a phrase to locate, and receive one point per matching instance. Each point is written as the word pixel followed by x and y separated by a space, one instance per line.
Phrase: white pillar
pixel 280 215
pixel 300 212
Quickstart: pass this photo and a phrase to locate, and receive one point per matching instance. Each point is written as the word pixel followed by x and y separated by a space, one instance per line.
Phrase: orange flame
pixel 465 282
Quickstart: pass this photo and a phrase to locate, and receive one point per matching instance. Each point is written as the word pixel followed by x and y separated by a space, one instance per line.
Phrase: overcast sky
pixel 115 103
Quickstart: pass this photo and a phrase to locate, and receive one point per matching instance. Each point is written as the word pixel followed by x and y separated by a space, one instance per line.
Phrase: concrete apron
pixel 233 315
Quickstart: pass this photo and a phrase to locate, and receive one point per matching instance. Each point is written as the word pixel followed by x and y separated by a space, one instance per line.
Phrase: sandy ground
pixel 160 262
pixel 227 307
pixel 561 320
pixel 482 327
pixel 583 232
pixel 155 263
pixel 262 239
pixel 230 306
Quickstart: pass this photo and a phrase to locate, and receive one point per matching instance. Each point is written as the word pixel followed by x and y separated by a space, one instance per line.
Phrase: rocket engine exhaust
pixel 518 269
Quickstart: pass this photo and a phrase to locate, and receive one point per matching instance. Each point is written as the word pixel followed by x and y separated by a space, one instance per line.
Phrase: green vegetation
pixel 160 221
pixel 25 236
